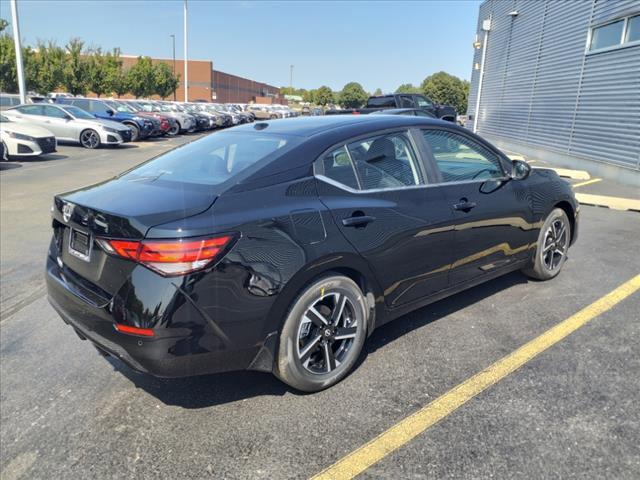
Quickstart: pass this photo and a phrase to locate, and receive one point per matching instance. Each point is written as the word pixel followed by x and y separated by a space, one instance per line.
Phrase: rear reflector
pixel 170 257
pixel 143 332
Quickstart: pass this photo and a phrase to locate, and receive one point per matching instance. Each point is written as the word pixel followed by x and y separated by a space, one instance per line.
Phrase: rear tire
pixel 552 247
pixel 323 334
pixel 89 138
pixel 175 130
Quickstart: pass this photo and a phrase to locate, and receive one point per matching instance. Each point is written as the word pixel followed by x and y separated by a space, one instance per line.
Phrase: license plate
pixel 80 244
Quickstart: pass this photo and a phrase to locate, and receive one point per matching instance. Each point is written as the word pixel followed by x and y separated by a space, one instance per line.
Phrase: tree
pixel 141 78
pixel 408 88
pixel 74 76
pixel 115 78
pixel 164 80
pixel 8 76
pixel 97 79
pixel 378 92
pixel 353 95
pixel 447 89
pixel 3 24
pixel 324 95
pixel 47 70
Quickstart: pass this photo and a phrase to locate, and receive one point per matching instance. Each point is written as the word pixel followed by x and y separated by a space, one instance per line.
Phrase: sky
pixel 379 44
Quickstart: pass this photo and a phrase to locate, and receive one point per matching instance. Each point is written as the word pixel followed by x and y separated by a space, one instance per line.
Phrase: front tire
pixel 135 131
pixel 552 247
pixel 89 139
pixel 323 334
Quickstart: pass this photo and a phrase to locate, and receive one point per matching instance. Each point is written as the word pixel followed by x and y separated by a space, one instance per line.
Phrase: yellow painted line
pixel 588 182
pixel 616 203
pixel 565 172
pixel 409 428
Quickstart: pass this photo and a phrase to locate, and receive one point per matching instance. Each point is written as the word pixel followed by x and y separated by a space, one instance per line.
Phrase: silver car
pixel 71 124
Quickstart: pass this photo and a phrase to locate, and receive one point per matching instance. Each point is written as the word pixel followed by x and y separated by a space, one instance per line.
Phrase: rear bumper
pixel 191 348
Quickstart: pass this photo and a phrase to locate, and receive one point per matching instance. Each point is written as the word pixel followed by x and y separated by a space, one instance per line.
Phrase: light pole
pixel 173 38
pixel 16 41
pixel 291 76
pixel 486 26
pixel 186 56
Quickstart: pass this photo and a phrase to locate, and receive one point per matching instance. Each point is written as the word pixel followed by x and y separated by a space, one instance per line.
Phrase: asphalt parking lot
pixel 570 412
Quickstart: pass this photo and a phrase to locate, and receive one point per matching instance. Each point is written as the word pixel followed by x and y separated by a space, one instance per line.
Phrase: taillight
pixel 170 257
pixel 143 332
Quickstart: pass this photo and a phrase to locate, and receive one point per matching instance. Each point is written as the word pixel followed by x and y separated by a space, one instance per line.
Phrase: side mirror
pixel 111 112
pixel 520 170
pixel 68 117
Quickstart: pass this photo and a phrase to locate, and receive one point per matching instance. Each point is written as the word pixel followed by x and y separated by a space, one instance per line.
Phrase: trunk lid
pixel 120 208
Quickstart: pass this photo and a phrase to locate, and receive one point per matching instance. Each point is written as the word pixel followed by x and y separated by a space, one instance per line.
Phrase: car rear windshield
pixel 214 159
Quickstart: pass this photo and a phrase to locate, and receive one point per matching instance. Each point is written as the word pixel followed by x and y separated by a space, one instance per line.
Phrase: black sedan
pixel 280 246
pixel 415 112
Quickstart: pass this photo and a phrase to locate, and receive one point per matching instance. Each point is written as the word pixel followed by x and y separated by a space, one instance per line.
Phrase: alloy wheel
pixel 89 139
pixel 326 333
pixel 555 244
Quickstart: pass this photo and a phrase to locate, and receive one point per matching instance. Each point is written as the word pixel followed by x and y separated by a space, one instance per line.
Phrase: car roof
pixel 346 124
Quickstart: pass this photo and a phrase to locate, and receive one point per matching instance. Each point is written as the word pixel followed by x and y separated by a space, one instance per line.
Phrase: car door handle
pixel 464 205
pixel 357 221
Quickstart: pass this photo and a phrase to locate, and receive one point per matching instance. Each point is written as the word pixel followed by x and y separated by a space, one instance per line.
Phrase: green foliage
pixel 353 95
pixel 97 81
pixel 378 92
pixel 44 68
pixel 324 96
pixel 3 24
pixel 74 78
pixel 408 88
pixel 447 89
pixel 8 76
pixel 165 82
pixel 141 78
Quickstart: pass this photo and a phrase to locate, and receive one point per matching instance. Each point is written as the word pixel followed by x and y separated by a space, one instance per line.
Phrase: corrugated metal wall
pixel 541 88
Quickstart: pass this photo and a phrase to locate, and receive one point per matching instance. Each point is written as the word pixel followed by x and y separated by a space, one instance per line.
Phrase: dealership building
pixel 207 84
pixel 560 79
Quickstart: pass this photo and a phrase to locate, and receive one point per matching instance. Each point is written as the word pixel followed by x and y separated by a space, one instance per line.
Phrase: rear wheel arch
pixel 352 267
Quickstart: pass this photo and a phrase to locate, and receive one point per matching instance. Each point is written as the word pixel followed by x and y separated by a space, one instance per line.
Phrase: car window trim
pixel 502 161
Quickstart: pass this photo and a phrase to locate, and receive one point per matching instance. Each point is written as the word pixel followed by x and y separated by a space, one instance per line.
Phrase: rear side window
pixel 385 161
pixel 8 101
pixel 460 159
pixel 375 102
pixel 31 109
pixel 380 162
pixel 337 166
pixel 214 159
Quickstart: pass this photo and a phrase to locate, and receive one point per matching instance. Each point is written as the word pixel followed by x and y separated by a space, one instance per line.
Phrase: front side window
pixel 461 159
pixel 98 107
pixel 213 159
pixel 423 102
pixel 607 35
pixel 385 161
pixel 633 29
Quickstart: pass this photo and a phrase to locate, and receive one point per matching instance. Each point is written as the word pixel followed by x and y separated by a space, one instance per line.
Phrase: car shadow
pixel 9 165
pixel 217 389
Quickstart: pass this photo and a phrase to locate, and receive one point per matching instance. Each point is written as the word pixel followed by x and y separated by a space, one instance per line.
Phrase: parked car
pixel 166 126
pixel 184 121
pixel 262 112
pixel 71 124
pixel 280 248
pixel 416 112
pixel 22 139
pixel 401 100
pixel 8 100
pixel 141 127
pixel 204 121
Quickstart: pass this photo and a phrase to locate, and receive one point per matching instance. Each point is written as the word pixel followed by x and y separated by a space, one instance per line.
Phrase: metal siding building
pixel 544 88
